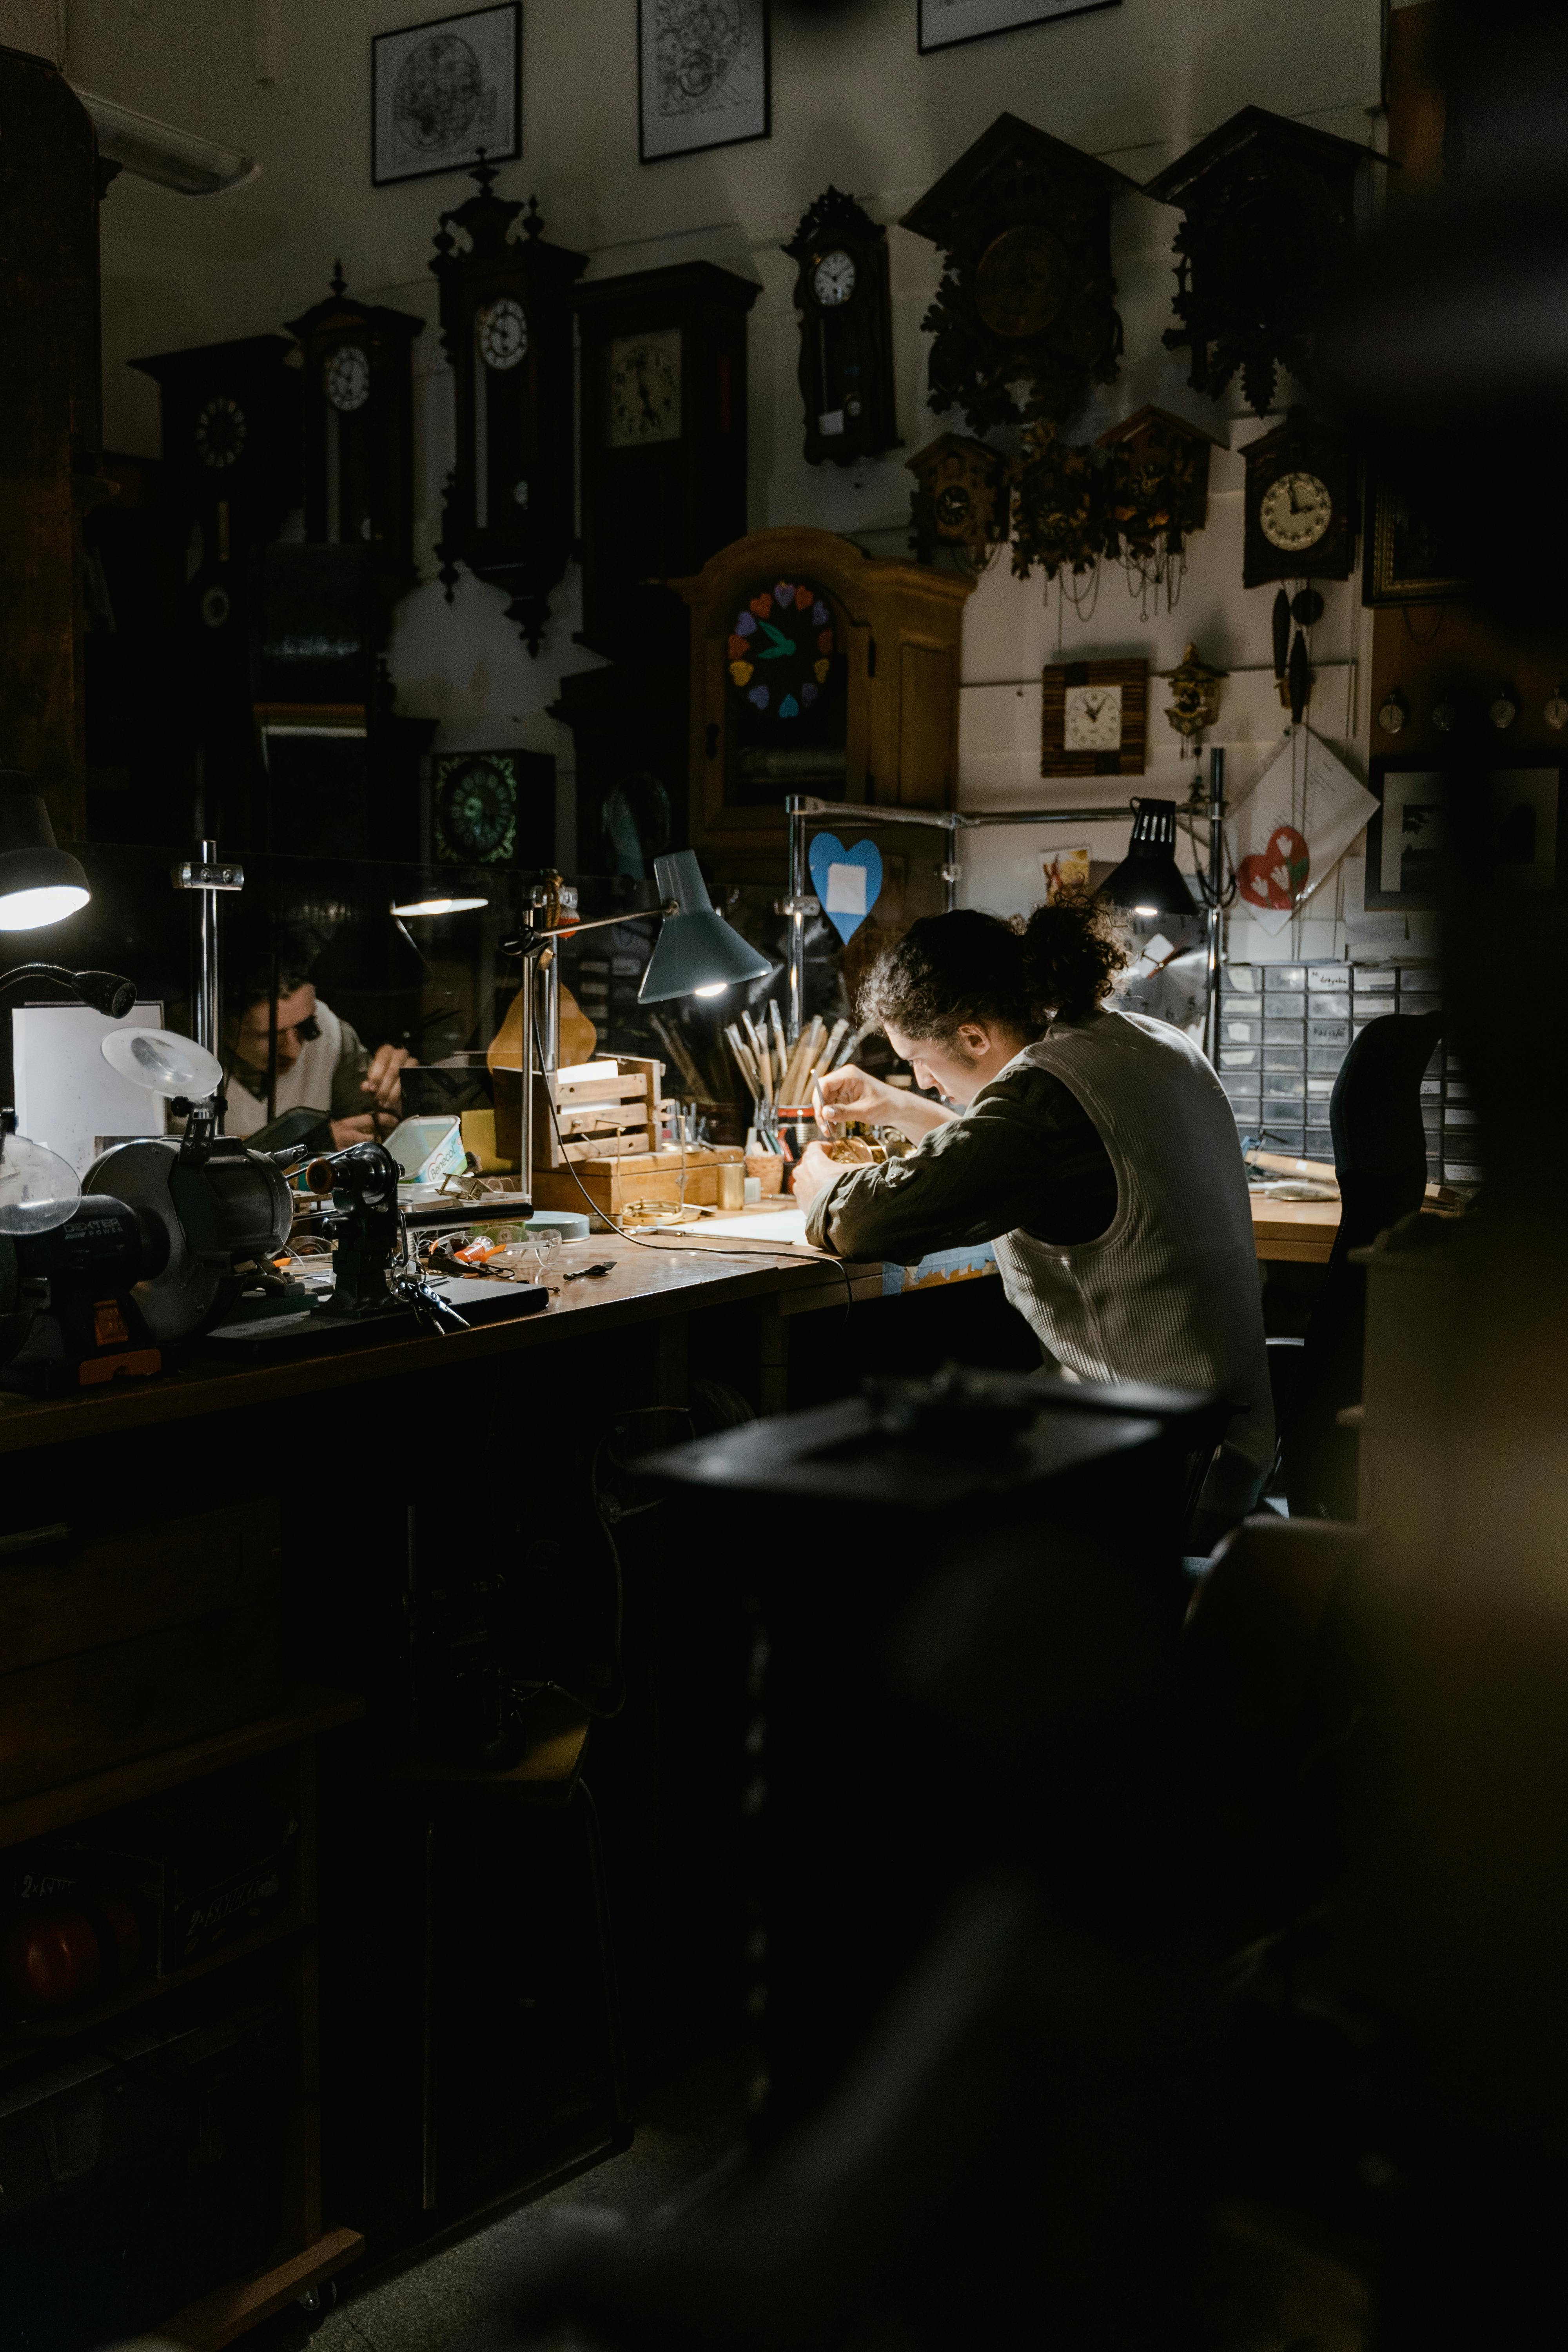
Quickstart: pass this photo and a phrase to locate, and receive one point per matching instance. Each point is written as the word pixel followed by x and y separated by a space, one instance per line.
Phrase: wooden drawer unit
pixel 121 1643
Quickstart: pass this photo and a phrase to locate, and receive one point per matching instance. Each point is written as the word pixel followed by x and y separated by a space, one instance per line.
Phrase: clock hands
pixel 780 644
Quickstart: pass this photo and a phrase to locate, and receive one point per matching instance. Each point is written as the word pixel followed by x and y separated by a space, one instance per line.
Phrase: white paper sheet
pixel 846 890
pixel 1292 828
pixel 774 1225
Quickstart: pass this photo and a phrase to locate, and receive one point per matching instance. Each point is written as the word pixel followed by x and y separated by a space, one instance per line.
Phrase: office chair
pixel 1380 1158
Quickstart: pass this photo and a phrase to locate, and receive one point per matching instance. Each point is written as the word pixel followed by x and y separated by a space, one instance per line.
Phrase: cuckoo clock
pixel 962 500
pixel 1270 210
pixel 1297 517
pixel 845 306
pixel 231 458
pixel 507 330
pixel 359 430
pixel 663 439
pixel 1024 319
pixel 1160 479
pixel 818 669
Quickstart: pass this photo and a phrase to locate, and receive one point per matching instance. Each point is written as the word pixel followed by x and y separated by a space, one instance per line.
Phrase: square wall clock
pixel 445 92
pixel 1092 719
pixel 703 75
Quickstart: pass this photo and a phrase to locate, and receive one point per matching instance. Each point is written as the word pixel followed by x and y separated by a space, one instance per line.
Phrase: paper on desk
pixel 786 1225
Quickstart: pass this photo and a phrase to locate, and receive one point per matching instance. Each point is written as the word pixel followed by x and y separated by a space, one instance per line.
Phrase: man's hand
pixel 366 1129
pixel 382 1080
pixel 816 1170
pixel 852 1095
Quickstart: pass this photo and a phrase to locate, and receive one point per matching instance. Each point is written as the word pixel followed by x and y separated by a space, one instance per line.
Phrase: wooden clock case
pixel 362 493
pixel 899 628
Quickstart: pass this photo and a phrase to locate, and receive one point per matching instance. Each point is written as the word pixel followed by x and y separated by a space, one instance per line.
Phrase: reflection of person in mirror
pixel 321 1066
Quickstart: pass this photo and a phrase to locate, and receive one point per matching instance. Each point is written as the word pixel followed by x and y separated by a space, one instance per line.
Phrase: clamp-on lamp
pixel 1149 881
pixel 39 882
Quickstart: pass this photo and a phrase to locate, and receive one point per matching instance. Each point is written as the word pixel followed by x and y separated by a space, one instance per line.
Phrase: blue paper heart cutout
pixel 833 870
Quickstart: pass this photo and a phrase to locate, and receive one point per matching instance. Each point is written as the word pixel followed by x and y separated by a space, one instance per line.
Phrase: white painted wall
pixel 852 103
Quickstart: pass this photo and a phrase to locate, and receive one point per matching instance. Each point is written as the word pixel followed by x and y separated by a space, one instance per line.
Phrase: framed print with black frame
pixel 704 75
pixel 1503 818
pixel 1404 559
pixel 445 93
pixel 949 24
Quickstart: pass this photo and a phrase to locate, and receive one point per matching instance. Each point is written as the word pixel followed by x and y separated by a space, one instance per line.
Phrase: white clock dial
pixel 502 331
pixel 833 279
pixel 1295 513
pixel 348 378
pixel 1091 718
pixel 645 389
pixel 220 432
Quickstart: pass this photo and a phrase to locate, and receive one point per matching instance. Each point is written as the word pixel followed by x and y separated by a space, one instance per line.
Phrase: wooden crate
pixel 599 1119
pixel 615 1183
pixel 125 1644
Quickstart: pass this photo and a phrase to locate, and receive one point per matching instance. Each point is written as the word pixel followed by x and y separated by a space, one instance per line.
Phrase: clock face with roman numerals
pixel 221 432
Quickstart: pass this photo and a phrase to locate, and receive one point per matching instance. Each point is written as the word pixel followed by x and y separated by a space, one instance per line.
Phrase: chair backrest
pixel 1374 1116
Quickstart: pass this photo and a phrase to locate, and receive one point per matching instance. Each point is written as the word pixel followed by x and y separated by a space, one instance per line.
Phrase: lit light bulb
pixel 29 910
pixel 714 988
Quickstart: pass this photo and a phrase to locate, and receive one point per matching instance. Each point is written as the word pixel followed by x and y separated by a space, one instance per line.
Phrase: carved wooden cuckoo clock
pixel 1024 319
pixel 845 306
pixel 359 429
pixel 1297 515
pixel 1160 480
pixel 1271 209
pixel 507 328
pixel 962 500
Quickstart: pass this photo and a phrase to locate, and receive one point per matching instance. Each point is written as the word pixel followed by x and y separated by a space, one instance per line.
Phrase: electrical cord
pixel 665 1249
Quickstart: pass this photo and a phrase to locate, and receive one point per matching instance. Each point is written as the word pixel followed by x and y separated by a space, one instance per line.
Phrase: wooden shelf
pixel 229 2311
pixel 51 1810
pixel 53 2032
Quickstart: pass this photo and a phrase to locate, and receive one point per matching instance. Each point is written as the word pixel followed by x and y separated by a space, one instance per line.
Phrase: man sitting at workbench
pixel 1094 1149
pixel 321 1065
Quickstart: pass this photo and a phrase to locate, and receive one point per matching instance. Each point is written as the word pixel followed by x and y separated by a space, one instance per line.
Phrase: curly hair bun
pixel 969 966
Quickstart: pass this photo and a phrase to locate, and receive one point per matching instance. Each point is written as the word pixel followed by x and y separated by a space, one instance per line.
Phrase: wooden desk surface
pixel 660 1278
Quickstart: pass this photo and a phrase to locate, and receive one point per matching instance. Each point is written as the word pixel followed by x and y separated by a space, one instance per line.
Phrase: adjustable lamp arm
pixel 107 991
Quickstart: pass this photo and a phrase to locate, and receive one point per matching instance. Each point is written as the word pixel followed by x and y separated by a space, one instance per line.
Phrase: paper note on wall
pixel 846 890
pixel 1292 828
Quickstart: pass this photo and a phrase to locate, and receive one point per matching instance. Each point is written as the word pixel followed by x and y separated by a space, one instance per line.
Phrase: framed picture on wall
pixel 1404 559
pixel 947 24
pixel 1507 820
pixel 704 75
pixel 444 93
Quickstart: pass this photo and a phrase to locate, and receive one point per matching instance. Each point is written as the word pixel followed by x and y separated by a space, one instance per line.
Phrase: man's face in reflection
pixel 296 1028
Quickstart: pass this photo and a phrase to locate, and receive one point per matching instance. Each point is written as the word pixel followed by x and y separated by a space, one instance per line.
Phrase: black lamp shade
pixel 39 883
pixel 1149 881
pixel 696 953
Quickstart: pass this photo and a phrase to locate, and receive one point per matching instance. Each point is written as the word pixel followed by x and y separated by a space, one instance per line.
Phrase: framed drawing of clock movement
pixel 446 95
pixel 702 76
pixel 1093 719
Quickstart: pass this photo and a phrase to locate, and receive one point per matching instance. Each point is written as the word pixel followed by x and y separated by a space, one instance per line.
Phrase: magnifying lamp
pixel 38 1190
pixel 165 1061
pixel 39 882
pixel 1149 881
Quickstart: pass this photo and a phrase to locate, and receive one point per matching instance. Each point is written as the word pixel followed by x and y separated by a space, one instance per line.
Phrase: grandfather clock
pixel 507 328
pixel 846 371
pixel 663 439
pixel 359 430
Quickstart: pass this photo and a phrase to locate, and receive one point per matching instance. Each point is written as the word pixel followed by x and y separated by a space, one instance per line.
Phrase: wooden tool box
pixel 615 1183
pixel 599 1117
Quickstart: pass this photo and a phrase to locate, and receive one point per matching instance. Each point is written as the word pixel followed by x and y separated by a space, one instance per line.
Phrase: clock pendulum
pixel 359 431
pixel 847 367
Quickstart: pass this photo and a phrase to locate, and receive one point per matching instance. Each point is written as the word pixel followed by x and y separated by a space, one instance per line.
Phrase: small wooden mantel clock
pixel 843 293
pixel 816 668
pixel 359 429
pixel 507 328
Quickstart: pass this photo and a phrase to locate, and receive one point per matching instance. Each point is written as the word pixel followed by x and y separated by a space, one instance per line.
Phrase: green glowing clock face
pixel 781 649
pixel 475 809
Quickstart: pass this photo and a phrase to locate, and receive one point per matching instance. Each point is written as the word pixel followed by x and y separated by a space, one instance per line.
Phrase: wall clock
pixel 1027 296
pixel 358 389
pixel 962 501
pixel 662 432
pixel 1298 509
pixel 1160 479
pixel 507 330
pixel 782 650
pixel 1271 218
pixel 842 294
pixel 492 808
pixel 1093 719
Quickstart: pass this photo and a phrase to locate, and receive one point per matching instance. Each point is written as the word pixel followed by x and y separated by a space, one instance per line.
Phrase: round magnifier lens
pixel 165 1061
pixel 38 1190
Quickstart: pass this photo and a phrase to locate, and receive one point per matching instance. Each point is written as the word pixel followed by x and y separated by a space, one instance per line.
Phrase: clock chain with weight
pixel 359 431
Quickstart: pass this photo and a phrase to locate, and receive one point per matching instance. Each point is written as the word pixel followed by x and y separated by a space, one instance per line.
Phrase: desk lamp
pixel 1149 881
pixel 39 882
pixel 704 956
